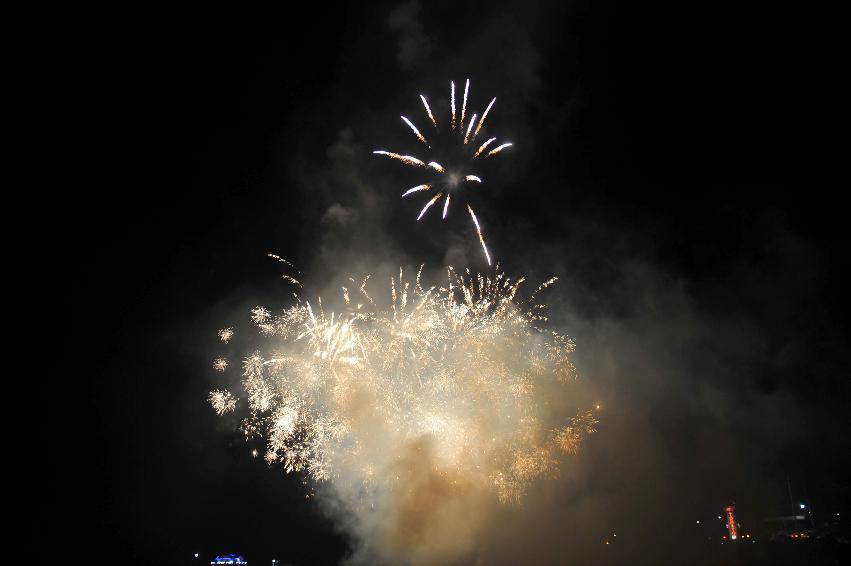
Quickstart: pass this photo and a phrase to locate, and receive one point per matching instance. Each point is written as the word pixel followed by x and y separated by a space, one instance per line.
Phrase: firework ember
pixel 454 149
pixel 225 334
pixel 464 369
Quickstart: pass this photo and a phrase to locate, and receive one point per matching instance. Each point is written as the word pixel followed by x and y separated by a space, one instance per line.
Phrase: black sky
pixel 663 168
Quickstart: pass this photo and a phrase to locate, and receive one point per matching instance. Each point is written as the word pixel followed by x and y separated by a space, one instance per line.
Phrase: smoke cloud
pixel 677 408
pixel 413 43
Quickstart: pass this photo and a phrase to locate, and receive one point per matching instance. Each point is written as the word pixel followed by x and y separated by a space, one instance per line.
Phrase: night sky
pixel 661 168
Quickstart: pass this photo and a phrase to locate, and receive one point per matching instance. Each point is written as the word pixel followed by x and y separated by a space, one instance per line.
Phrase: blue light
pixel 229 559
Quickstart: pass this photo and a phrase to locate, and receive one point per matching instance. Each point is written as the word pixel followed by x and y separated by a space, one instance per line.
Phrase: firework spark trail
pixel 479 232
pixel 449 180
pixel 498 149
pixel 428 111
pixel 418 188
pixel 452 101
pixel 482 147
pixel 470 127
pixel 482 120
pixel 284 261
pixel 406 159
pixel 428 205
pixel 292 280
pixel 463 367
pixel 464 106
pixel 416 131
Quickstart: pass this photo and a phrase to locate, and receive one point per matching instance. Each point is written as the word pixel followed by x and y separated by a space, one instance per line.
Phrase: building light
pixel 229 559
pixel 731 521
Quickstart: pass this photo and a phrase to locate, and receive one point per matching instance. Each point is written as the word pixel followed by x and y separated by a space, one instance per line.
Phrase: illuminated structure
pixel 731 521
pixel 229 559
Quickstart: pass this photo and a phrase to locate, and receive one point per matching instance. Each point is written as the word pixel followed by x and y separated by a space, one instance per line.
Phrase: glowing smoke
pixel 414 414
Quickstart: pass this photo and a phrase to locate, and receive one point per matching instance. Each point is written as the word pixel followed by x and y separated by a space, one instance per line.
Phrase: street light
pixel 802 506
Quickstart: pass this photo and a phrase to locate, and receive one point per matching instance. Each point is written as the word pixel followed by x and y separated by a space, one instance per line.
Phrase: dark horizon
pixel 662 168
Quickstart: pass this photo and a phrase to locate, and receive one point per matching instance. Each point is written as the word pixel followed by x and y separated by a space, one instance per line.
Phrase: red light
pixel 731 522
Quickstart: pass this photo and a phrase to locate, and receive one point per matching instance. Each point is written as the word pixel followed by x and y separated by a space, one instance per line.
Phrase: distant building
pixel 229 559
pixel 788 527
pixel 731 521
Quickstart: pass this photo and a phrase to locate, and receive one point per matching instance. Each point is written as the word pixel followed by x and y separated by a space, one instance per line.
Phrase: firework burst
pixel 465 367
pixel 455 153
pixel 225 334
